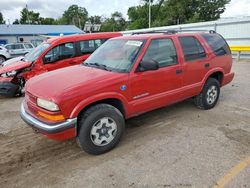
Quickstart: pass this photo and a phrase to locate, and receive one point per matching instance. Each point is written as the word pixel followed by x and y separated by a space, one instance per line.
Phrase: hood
pixel 15 66
pixel 75 80
pixel 11 61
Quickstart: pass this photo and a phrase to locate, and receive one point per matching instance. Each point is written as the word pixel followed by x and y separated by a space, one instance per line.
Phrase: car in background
pixel 53 54
pixel 19 49
pixel 12 61
pixel 4 54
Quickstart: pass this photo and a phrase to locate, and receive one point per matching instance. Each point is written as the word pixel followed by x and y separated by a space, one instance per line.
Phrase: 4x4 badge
pixel 123 87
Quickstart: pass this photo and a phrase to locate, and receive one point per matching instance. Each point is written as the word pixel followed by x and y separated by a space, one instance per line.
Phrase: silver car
pixel 19 49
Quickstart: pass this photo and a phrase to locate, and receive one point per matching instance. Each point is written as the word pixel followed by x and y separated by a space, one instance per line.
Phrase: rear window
pixel 192 48
pixel 217 44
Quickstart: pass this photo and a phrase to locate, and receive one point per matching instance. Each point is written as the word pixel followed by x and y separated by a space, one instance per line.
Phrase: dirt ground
pixel 176 146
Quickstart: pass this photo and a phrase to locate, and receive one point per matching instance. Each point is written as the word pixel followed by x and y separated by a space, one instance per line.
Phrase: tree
pixel 29 17
pixel 16 22
pixel 48 21
pixel 95 19
pixel 171 12
pixel 1 19
pixel 116 23
pixel 75 15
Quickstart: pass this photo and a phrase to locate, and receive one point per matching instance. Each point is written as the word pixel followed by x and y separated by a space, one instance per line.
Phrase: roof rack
pixel 169 32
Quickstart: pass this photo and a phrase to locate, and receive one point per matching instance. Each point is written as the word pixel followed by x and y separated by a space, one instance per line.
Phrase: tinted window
pixel 217 44
pixel 192 48
pixel 60 52
pixel 89 46
pixel 28 46
pixel 162 51
pixel 17 46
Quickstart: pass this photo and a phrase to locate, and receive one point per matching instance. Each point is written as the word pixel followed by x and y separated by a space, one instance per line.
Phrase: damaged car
pixel 53 54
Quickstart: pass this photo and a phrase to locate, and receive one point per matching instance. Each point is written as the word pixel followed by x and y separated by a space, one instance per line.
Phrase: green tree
pixel 48 21
pixel 171 12
pixel 29 17
pixel 1 19
pixel 116 23
pixel 16 22
pixel 75 15
pixel 95 19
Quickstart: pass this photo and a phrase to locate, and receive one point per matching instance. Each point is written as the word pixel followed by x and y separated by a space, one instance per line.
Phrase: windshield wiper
pixel 99 66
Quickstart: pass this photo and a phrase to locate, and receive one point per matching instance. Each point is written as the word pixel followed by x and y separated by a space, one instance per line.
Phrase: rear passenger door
pixel 60 56
pixel 195 61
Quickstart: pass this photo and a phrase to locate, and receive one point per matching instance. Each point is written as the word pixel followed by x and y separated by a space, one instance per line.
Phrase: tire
pixel 101 128
pixel 209 95
pixel 2 59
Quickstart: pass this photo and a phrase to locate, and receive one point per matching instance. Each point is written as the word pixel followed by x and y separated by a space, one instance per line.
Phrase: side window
pixel 192 48
pixel 217 44
pixel 28 46
pixel 18 46
pixel 63 51
pixel 87 47
pixel 162 51
pixel 8 47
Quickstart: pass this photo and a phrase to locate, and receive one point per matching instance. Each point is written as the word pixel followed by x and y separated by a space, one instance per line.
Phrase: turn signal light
pixel 51 117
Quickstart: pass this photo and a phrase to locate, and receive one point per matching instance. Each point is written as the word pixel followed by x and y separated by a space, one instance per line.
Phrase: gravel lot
pixel 176 146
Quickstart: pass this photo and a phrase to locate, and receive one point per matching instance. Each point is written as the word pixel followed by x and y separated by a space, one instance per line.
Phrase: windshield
pixel 115 55
pixel 34 54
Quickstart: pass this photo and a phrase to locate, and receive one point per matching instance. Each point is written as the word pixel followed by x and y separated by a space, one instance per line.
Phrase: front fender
pixel 99 97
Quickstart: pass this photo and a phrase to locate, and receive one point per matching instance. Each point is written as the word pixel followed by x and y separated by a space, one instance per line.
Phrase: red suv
pixel 53 54
pixel 125 77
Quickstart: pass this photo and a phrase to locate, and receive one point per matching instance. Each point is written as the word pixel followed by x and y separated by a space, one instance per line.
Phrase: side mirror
pixel 148 66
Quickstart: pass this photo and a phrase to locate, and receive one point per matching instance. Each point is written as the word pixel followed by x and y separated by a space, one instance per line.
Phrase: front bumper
pixel 8 89
pixel 59 131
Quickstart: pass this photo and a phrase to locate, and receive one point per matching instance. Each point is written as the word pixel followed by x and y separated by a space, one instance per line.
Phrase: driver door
pixel 152 89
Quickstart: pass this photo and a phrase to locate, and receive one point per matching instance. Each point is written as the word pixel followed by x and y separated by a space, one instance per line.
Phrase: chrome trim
pixel 54 128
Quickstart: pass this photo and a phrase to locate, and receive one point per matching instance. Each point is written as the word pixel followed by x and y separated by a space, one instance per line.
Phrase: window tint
pixel 18 46
pixel 89 46
pixel 28 46
pixel 162 51
pixel 217 44
pixel 60 52
pixel 192 48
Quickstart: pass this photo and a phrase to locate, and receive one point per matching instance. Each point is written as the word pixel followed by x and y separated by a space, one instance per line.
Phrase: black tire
pixel 202 101
pixel 2 59
pixel 90 118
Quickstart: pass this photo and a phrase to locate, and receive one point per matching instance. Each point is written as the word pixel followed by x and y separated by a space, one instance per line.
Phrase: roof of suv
pixel 157 35
pixel 85 36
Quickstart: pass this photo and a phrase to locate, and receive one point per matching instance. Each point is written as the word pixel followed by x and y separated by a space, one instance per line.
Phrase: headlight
pixel 9 74
pixel 48 105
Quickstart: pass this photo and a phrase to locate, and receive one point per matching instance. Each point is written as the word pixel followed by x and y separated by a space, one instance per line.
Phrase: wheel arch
pixel 218 74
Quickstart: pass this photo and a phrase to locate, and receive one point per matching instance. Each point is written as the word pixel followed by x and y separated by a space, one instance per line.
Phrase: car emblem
pixel 123 87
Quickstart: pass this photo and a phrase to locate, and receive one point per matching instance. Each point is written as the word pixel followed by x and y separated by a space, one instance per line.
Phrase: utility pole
pixel 149 14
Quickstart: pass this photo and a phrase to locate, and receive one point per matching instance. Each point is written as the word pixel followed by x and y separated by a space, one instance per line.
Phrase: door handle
pixel 178 71
pixel 207 65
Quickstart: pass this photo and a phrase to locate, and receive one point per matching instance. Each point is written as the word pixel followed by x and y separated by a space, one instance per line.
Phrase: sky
pixel 54 8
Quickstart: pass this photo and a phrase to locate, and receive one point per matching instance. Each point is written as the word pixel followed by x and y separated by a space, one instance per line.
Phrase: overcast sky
pixel 54 8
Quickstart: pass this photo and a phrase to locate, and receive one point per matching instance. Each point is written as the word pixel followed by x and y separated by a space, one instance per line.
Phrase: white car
pixel 4 54
pixel 19 49
pixel 12 61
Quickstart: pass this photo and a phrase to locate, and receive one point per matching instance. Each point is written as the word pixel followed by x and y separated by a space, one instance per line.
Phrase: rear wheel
pixel 209 95
pixel 101 128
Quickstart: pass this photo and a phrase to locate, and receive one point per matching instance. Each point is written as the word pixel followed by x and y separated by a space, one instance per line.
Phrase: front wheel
pixel 2 59
pixel 101 128
pixel 209 95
